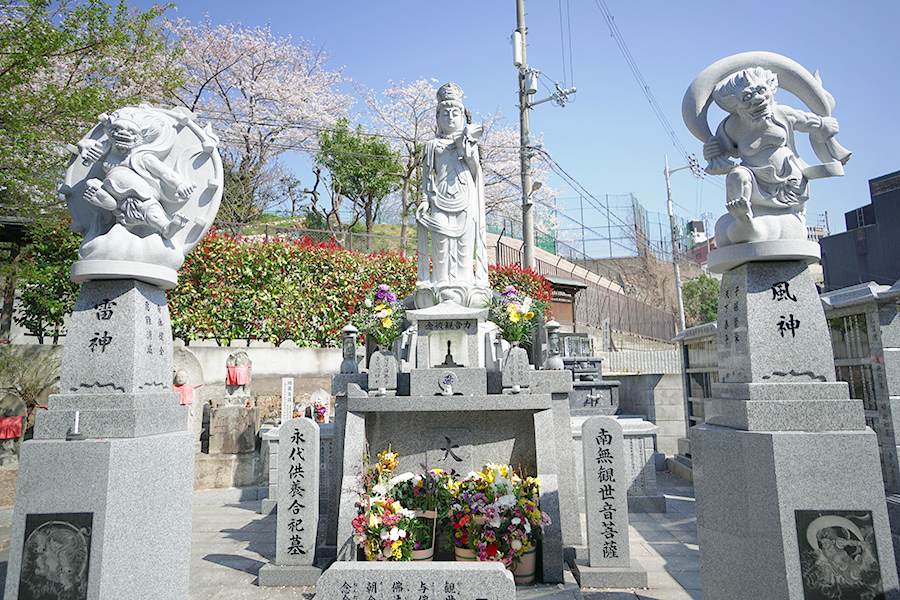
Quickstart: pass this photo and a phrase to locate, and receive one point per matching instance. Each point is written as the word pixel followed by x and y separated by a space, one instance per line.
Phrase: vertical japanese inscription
pixel 298 492
pixel 606 485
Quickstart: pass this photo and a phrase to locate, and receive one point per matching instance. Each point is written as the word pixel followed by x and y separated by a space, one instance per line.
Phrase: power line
pixel 645 87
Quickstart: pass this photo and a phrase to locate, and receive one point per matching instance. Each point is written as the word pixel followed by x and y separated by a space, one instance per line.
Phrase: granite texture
pixel 443 323
pixel 112 415
pixel 298 492
pixel 233 429
pixel 594 398
pixel 640 466
pixel 462 382
pixel 606 487
pixel 117 366
pixel 634 576
pixel 119 340
pixel 463 433
pixel 749 485
pixel 771 326
pixel 388 580
pixel 139 493
pixel 776 372
pixel 271 575
pixel 722 260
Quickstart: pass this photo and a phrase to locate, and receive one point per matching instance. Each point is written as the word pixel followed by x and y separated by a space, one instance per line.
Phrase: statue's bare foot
pixel 740 209
pixel 178 221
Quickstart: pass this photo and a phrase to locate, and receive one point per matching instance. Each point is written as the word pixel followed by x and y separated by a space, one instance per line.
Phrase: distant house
pixel 868 250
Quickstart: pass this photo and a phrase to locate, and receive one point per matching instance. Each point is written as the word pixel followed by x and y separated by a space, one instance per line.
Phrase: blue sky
pixel 609 139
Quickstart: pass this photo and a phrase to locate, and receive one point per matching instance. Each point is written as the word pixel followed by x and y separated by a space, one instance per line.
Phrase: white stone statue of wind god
pixel 766 193
pixel 452 210
pixel 143 187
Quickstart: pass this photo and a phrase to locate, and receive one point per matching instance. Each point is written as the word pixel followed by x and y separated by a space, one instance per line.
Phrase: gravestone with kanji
pixel 298 506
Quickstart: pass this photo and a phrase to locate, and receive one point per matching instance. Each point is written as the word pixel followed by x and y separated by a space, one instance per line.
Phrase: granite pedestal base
pixel 764 497
pixel 463 433
pixel 634 576
pixel 128 502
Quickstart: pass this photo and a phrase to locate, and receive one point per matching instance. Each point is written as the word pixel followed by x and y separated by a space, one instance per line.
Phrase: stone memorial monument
pixel 234 421
pixel 298 501
pixel 188 379
pixel 109 473
pixel 606 485
pixel 790 502
pixel 450 409
pixel 12 428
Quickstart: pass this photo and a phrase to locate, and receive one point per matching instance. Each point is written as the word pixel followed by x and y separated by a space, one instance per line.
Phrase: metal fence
pixel 596 302
pixel 353 240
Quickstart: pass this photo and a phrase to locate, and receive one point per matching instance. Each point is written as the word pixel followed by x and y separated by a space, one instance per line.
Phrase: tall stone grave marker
pixel 298 506
pixel 790 503
pixel 103 503
pixel 606 508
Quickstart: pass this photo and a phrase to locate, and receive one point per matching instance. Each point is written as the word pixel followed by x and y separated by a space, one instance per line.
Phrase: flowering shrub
pixel 495 513
pixel 278 290
pixel 516 316
pixel 381 317
pixel 526 281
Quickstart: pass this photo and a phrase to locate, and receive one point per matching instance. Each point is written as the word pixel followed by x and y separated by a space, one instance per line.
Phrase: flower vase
pixel 465 554
pixel 426 554
pixel 524 567
pixel 383 370
pixel 516 369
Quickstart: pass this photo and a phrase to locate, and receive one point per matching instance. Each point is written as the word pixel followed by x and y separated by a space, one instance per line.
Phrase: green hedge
pixel 293 290
pixel 232 289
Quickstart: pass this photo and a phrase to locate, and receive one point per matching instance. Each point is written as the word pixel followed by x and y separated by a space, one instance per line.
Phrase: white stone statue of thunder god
pixel 143 187
pixel 452 210
pixel 766 193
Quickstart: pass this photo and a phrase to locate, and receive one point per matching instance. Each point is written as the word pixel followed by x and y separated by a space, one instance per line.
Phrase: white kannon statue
pixel 143 188
pixel 452 210
pixel 766 193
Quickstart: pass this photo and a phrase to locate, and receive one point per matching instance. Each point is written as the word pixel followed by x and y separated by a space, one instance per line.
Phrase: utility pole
pixel 528 87
pixel 678 285
pixel 524 135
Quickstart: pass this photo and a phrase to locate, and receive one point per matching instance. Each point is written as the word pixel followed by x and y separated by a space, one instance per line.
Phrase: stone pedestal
pixel 111 468
pixel 790 502
pixel 233 429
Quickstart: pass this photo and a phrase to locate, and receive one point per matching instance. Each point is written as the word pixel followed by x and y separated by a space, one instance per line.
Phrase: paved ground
pixel 231 541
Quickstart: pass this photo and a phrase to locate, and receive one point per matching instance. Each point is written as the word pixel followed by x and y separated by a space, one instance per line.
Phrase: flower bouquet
pixel 516 316
pixel 383 526
pixel 495 514
pixel 429 497
pixel 381 316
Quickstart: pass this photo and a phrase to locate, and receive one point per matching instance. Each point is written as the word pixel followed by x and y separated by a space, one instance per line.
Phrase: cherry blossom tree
pixel 265 96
